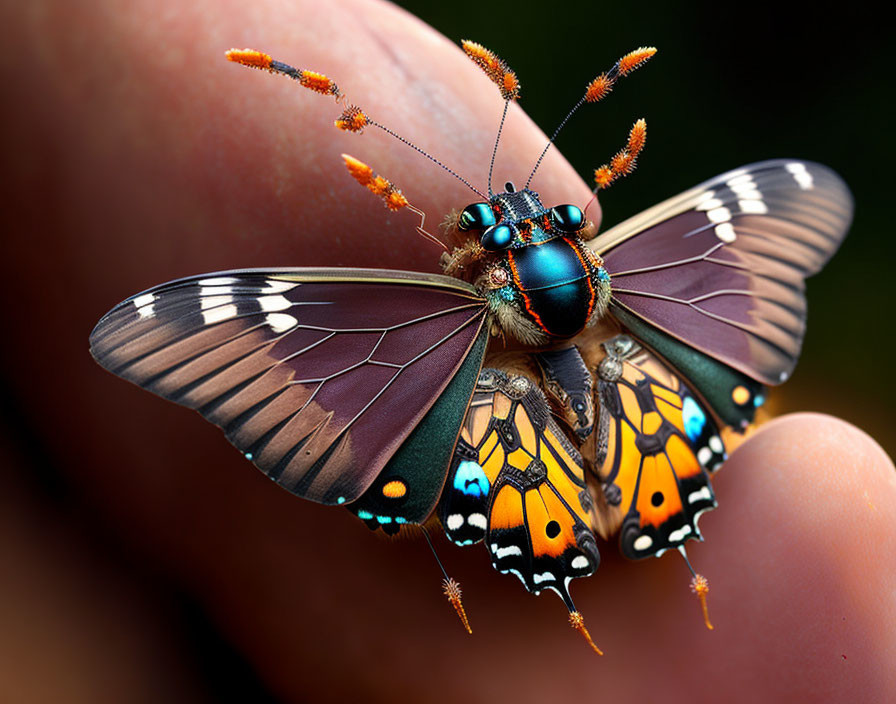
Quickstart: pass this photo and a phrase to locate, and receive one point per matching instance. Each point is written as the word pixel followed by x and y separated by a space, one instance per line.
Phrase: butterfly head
pixel 513 219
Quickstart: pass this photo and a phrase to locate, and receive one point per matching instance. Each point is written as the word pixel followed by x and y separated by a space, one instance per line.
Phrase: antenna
pixel 353 118
pixel 625 160
pixel 491 166
pixel 392 197
pixel 598 89
pixel 502 76
pixel 450 587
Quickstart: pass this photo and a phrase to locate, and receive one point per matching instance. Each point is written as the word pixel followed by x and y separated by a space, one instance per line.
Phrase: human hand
pixel 149 157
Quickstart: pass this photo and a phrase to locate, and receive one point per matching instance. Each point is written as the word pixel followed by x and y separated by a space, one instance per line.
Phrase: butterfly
pixel 641 354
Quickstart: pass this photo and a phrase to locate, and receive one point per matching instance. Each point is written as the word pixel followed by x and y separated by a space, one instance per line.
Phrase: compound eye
pixel 477 216
pixel 567 218
pixel 496 238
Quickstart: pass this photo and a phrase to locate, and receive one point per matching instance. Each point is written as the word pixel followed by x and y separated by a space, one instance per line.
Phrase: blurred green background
pixel 733 83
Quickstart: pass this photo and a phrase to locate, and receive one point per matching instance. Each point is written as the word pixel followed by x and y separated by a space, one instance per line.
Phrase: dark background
pixel 732 84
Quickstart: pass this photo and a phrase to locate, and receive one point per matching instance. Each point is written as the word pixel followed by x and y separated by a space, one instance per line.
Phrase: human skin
pixel 143 156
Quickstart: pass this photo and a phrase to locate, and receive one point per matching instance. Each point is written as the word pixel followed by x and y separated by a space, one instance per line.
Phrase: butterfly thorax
pixel 531 264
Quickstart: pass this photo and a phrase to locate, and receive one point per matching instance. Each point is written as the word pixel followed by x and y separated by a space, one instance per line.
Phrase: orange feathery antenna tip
pixel 250 57
pixel 700 587
pixel 311 80
pixel 637 136
pixel 598 88
pixel 360 171
pixel 494 67
pixel 603 176
pixel 623 163
pixel 635 59
pixel 577 621
pixel 395 200
pixel 625 160
pixel 484 58
pixel 601 86
pixel 352 119
pixel 376 184
pixel 452 591
pixel 380 186
pixel 318 82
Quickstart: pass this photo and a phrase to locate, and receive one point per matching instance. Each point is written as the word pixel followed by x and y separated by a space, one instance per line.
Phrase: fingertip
pixel 802 549
pixel 827 453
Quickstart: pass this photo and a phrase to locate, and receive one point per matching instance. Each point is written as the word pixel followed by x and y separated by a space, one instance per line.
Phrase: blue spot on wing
pixel 694 418
pixel 470 479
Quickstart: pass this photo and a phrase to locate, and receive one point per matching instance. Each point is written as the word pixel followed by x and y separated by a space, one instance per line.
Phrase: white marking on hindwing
pixel 580 562
pixel 696 519
pixel 703 493
pixel 509 551
pixel 455 521
pixel 643 542
pixel 477 520
pixel 280 322
pixel 679 534
pixel 704 455
pixel 715 443
pixel 544 577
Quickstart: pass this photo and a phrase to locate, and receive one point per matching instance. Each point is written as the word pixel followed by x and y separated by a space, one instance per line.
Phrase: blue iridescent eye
pixel 497 238
pixel 567 218
pixel 477 216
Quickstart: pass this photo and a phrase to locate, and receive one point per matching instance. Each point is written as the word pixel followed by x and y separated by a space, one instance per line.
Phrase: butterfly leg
pixel 458 260
pixel 568 380
pixel 699 586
